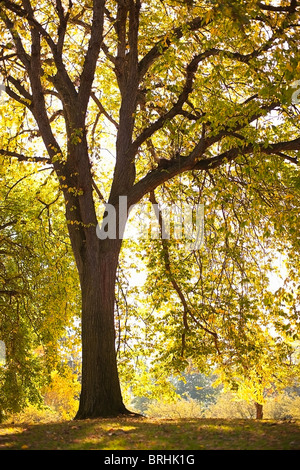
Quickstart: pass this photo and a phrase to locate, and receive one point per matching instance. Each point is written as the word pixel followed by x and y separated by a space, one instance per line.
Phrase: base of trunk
pixel 81 415
pixel 100 393
pixel 259 411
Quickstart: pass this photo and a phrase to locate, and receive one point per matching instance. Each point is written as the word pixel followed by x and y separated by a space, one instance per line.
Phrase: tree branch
pixel 27 101
pixel 188 88
pixel 36 26
pixel 103 111
pixel 24 158
pixel 10 292
pixel 8 224
pixel 291 8
pixel 185 163
pixel 231 154
pixel 163 44
pixel 177 107
pixel 23 56
pixel 166 257
pixel 91 57
pixel 63 21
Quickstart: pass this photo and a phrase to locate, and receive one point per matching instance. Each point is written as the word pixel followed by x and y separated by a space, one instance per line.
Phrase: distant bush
pixel 34 415
pixel 62 394
pixel 60 401
pixel 228 408
pixel 181 408
pixel 281 407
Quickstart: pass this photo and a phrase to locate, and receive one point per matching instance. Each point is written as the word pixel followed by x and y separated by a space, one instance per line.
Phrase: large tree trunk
pixel 97 261
pixel 100 392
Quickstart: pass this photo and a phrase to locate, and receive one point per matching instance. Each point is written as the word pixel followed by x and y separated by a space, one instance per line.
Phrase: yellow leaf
pixel 209 16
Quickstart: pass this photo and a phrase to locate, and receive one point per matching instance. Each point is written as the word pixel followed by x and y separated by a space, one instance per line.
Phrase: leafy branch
pixel 187 310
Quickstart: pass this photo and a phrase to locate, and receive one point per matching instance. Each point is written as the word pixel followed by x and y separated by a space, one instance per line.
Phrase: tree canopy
pixel 173 101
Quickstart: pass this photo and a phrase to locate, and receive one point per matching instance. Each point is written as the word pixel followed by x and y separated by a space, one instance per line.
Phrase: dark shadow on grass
pixel 133 433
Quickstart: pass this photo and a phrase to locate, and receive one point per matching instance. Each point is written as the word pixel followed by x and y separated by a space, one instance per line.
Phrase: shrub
pixel 283 407
pixel 62 394
pixel 181 408
pixel 229 408
pixel 280 407
pixel 34 415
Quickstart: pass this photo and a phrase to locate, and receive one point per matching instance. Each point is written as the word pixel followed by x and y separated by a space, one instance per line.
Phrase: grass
pixel 152 434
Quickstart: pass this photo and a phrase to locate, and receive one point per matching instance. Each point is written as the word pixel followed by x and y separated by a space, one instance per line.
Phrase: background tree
pixel 38 287
pixel 218 306
pixel 171 82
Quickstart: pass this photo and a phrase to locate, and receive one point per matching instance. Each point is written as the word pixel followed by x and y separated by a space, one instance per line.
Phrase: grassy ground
pixel 150 434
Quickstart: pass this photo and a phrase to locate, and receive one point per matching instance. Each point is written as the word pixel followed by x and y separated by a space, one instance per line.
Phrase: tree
pixel 37 284
pixel 216 306
pixel 169 82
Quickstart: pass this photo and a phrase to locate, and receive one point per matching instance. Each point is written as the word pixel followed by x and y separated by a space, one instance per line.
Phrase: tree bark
pixel 100 390
pixel 97 261
pixel 259 410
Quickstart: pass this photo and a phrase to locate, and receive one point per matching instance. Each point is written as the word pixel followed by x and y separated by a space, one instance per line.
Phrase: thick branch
pixel 63 21
pixel 24 158
pixel 291 8
pixel 188 88
pixel 229 155
pixel 185 163
pixel 23 56
pixel 88 72
pixel 182 99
